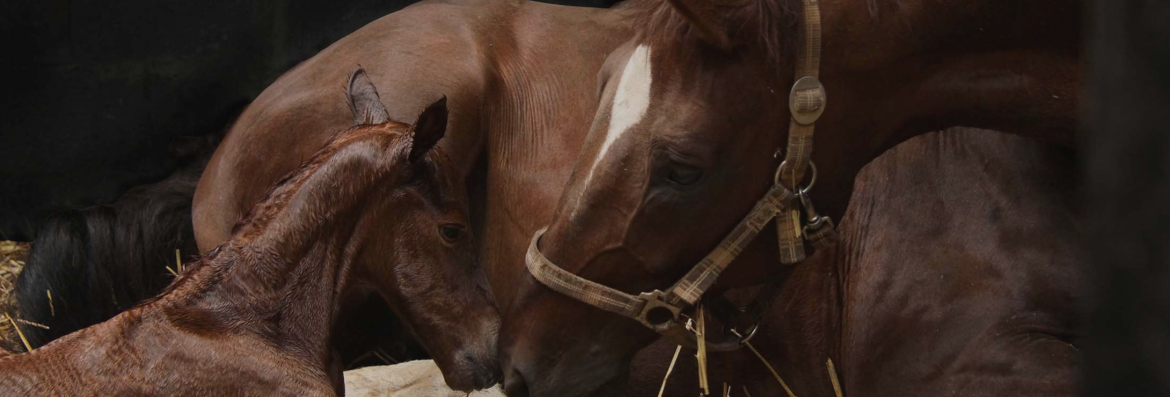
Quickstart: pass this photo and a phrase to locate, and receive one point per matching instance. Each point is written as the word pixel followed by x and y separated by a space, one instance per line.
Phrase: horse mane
pixel 276 198
pixel 767 27
pixel 238 248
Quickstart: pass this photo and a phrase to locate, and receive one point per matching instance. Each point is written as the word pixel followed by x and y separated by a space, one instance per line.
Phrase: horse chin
pixel 471 365
pixel 597 379
pixel 470 373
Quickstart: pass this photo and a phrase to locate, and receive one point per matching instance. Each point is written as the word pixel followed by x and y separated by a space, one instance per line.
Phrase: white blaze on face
pixel 629 104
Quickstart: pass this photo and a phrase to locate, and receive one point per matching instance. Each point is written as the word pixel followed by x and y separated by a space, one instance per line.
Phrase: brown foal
pixel 253 317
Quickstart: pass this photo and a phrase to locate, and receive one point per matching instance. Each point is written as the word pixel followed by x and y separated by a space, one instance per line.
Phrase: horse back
pixel 417 55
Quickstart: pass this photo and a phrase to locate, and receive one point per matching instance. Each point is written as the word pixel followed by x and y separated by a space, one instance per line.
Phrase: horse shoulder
pixel 951 268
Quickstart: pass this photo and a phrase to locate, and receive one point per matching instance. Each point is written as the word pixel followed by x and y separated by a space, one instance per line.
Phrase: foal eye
pixel 684 175
pixel 450 232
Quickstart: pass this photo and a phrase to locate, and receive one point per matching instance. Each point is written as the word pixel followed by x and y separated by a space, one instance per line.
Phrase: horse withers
pixel 254 316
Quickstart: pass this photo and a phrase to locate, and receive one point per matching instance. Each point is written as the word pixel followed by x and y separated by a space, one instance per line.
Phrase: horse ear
pixel 430 127
pixel 363 99
pixel 704 16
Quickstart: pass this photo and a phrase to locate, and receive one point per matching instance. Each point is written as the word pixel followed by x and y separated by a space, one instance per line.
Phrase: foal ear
pixel 704 16
pixel 430 127
pixel 363 99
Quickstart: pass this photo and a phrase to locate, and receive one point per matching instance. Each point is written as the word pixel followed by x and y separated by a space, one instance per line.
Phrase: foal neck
pixel 281 275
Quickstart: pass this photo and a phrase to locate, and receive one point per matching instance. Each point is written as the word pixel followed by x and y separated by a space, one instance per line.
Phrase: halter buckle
pixel 807 100
pixel 656 300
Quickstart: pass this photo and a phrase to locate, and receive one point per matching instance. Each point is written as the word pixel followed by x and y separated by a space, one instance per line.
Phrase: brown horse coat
pixel 960 273
pixel 693 124
pixel 253 317
pixel 520 81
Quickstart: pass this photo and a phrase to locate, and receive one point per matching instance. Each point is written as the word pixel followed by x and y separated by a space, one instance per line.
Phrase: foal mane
pixel 277 198
pixel 279 194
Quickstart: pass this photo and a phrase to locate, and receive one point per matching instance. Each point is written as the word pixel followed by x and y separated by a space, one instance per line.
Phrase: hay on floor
pixel 12 256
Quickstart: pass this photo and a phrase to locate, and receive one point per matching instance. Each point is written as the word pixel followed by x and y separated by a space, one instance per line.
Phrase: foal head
pixel 681 148
pixel 417 251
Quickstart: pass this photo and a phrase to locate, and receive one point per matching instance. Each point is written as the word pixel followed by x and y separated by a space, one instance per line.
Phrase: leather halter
pixel 661 310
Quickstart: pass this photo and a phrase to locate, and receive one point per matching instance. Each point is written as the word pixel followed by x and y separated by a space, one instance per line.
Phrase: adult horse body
pixel 518 76
pixel 932 291
pixel 254 316
pixel 688 137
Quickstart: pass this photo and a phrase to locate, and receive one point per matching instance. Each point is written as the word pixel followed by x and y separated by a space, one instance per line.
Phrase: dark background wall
pixel 92 93
pixel 1127 136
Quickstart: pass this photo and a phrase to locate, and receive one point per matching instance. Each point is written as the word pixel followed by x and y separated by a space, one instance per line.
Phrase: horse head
pixel 419 253
pixel 703 137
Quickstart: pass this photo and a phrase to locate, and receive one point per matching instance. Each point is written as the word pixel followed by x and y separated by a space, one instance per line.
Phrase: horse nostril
pixel 514 384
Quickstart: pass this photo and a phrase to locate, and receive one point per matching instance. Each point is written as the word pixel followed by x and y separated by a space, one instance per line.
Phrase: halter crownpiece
pixel 662 310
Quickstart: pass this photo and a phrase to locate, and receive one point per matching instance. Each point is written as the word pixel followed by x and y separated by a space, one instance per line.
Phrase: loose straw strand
pixel 669 369
pixel 769 366
pixel 178 261
pixel 701 342
pixel 833 377
pixel 27 346
pixel 52 311
pixel 35 324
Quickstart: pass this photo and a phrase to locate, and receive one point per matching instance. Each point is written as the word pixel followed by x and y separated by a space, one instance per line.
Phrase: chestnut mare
pixel 692 129
pixel 253 317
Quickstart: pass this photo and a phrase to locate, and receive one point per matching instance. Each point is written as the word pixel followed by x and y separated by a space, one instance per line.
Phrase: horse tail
pixel 87 265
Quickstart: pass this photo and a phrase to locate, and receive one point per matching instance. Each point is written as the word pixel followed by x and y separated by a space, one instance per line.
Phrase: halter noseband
pixel 662 310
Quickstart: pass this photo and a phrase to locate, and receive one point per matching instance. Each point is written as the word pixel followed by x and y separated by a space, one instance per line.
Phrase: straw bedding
pixel 12 256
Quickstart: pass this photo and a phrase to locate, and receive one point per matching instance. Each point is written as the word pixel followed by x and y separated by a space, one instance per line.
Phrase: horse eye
pixel 450 232
pixel 684 175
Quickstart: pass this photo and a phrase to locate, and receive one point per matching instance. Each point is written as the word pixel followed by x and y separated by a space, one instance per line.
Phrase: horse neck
pixel 909 67
pixel 540 104
pixel 282 273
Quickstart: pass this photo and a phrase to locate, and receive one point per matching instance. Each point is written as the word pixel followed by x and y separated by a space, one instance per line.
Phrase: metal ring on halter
pixel 812 182
pixel 743 340
pixel 751 333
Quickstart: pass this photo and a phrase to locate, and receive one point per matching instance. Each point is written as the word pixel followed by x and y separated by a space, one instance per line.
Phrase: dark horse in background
pixel 689 133
pixel 255 315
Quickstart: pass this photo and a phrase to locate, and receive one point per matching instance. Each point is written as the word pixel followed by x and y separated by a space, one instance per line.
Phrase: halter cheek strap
pixel 806 103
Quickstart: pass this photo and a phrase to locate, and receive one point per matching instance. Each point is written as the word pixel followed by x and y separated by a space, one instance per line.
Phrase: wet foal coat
pixel 253 317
